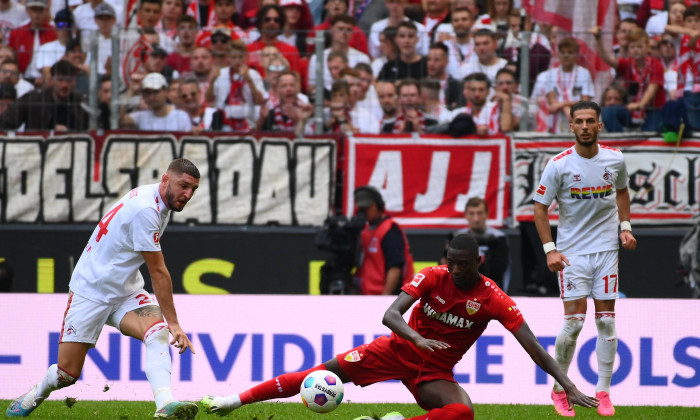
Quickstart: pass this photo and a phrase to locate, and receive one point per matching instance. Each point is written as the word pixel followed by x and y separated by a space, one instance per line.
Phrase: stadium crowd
pixel 389 66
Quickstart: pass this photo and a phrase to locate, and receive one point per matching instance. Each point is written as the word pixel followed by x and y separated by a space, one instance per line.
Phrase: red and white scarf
pixel 235 97
pixel 282 122
pixel 401 119
pixel 642 80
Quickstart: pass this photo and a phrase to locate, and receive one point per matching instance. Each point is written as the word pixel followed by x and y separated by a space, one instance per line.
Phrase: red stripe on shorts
pixel 65 314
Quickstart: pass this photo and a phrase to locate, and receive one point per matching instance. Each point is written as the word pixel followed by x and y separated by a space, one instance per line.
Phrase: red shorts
pixel 379 361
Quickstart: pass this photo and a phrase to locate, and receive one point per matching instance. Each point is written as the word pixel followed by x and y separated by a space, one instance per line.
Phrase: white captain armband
pixel 549 247
pixel 626 226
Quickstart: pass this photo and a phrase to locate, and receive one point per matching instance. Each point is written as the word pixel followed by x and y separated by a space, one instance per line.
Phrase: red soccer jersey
pixel 457 317
pixel 652 72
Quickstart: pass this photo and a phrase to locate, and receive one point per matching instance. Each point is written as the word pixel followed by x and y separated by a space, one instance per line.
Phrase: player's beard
pixel 170 200
pixel 589 142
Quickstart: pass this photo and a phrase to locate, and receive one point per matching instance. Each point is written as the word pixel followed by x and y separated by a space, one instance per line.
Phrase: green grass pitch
pixel 131 410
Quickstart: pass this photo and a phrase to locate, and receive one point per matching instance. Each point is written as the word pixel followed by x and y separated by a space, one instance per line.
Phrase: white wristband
pixel 626 226
pixel 549 247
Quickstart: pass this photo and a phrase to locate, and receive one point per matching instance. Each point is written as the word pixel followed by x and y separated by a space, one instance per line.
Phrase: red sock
pixel 283 386
pixel 448 412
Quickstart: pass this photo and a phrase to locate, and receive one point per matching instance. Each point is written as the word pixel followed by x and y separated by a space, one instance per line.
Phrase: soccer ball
pixel 322 391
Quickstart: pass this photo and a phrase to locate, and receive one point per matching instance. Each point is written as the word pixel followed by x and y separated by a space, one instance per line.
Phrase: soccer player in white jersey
pixel 107 288
pixel 589 182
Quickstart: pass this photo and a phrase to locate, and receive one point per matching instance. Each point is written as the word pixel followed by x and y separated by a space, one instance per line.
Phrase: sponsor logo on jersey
pixel 439 299
pixel 447 318
pixel 587 193
pixel 156 238
pixel 513 308
pixel 353 356
pixel 577 178
pixel 473 307
pixel 541 190
pixel 417 279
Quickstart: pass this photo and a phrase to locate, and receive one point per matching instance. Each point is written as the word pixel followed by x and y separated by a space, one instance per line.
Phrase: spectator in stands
pixel 8 96
pixel 191 102
pixel 488 62
pixel 388 49
pixel 77 57
pixel 496 16
pixel 489 116
pixel 386 94
pixel 688 71
pixel 172 12
pixel 643 77
pixel 9 73
pixel 51 52
pixel 436 13
pixel 236 90
pixel 450 88
pixel 180 59
pixel 408 63
pixel 224 11
pixel 341 31
pixel 667 55
pixel 508 85
pixel 221 47
pixel 565 85
pixel 154 62
pixel 27 37
pixel 104 18
pixel 288 114
pixel 396 16
pixel 613 95
pixel 270 21
pixel 656 25
pixel 159 116
pixel 58 107
pixel 649 8
pixel 368 93
pixel 361 117
pixel 104 102
pixel 540 49
pixel 432 105
pixel 411 118
pixel 12 15
pixel 338 118
pixel 203 69
pixel 457 36
pixel 357 39
pixel 294 32
pixel 493 243
pixel 173 94
pixel 274 68
pixel 85 19
pixel 624 28
pixel 336 62
pixel 386 258
pixel 148 16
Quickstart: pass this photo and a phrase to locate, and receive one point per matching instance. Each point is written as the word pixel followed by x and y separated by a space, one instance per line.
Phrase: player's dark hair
pixel 183 166
pixel 585 105
pixel 465 241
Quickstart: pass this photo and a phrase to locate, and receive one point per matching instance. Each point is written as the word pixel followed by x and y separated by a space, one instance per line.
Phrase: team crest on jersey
pixel 473 307
pixel 353 356
pixel 71 330
pixel 607 175
pixel 541 190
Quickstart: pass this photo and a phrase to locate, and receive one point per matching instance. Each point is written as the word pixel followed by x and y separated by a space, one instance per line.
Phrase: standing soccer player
pixel 456 305
pixel 107 288
pixel 589 181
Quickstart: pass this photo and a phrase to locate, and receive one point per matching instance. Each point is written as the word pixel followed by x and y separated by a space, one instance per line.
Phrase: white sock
pixel 55 378
pixel 158 363
pixel 565 346
pixel 231 402
pixel 605 349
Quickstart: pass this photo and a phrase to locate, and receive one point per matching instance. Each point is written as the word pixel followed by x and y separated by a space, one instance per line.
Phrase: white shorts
pixel 84 319
pixel 590 275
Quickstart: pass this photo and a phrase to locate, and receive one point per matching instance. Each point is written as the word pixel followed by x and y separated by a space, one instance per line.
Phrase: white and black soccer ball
pixel 322 391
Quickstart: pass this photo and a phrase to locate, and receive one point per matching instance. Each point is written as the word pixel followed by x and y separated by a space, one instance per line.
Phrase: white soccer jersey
pixel 108 269
pixel 585 190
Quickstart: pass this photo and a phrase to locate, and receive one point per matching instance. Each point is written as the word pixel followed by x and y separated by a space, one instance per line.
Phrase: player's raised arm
pixel 529 342
pixel 393 318
pixel 163 288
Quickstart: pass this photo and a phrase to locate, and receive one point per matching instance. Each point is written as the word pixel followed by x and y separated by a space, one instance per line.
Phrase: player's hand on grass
pixel 431 345
pixel 579 398
pixel 556 261
pixel 180 339
pixel 628 240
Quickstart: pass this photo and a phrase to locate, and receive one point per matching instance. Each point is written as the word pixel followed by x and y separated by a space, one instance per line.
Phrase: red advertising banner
pixel 664 179
pixel 426 181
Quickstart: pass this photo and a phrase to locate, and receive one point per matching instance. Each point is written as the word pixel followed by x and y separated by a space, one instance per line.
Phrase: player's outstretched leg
pixel 448 412
pixel 54 379
pixel 564 349
pixel 283 386
pixel 177 410
pixel 605 350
